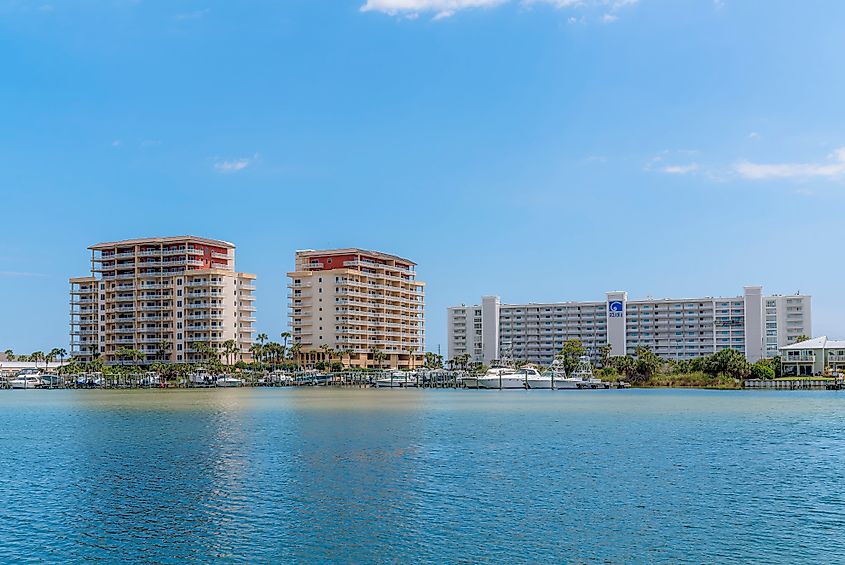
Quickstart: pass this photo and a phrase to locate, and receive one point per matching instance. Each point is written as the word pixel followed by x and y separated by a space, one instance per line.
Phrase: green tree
pixel 378 356
pixel 230 348
pixel 37 357
pixel 648 363
pixel 801 338
pixel 604 354
pixel 328 354
pixel 10 355
pixel 163 349
pixel 295 351
pixel 572 351
pixel 728 362
pixel 762 369
pixel 625 365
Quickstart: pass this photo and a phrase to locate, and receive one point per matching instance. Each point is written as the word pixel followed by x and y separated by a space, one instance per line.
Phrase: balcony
pixel 153 286
pixel 799 358
pixel 204 316
pixel 205 283
pixel 119 277
pixel 204 305
pixel 247 319
pixel 83 301
pixel 205 294
pixel 216 255
pixel 113 256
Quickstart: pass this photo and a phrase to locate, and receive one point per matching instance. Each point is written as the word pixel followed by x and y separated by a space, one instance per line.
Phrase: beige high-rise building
pixel 161 297
pixel 360 304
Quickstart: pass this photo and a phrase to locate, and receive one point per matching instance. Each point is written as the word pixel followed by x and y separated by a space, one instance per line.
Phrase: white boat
pixel 201 377
pixel 279 378
pixel 583 375
pixel 501 377
pixel 532 378
pixel 28 378
pixel 228 382
pixel 89 380
pixel 558 378
pixel 397 379
pixel 151 379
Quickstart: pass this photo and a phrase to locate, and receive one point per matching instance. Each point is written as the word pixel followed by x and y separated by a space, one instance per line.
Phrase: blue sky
pixel 539 150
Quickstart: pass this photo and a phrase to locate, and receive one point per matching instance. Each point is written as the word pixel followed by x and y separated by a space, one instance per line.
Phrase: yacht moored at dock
pixel 501 377
pixel 397 379
pixel 28 378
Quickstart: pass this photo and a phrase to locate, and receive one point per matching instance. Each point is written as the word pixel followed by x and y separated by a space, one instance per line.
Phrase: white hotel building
pixel 674 328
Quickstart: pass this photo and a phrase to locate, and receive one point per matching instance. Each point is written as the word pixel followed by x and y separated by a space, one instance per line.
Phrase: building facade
pixel 358 304
pixel 753 324
pixel 160 298
pixel 813 357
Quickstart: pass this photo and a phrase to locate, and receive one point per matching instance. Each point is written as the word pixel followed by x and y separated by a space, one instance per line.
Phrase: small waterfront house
pixel 813 357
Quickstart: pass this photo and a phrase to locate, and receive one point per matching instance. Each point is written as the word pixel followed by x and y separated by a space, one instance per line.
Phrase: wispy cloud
pixel 679 169
pixel 834 167
pixel 234 165
pixel 667 162
pixel 440 9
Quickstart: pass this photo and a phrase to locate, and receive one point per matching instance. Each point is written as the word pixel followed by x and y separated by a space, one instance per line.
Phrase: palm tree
pixel 378 356
pixel 48 357
pixel 411 360
pixel 36 357
pixel 61 353
pixel 329 354
pixel 262 338
pixel 346 353
pixel 294 352
pixel 163 347
pixel 256 350
pixel 10 355
pixel 230 347
pixel 285 338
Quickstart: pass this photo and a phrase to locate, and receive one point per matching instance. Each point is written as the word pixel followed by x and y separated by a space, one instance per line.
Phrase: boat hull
pixel 506 381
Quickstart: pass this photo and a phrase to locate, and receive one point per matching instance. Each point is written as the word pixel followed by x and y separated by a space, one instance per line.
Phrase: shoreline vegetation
pixel 724 370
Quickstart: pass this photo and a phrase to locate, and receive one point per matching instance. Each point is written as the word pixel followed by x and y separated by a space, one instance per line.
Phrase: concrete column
pixel 490 328
pixel 753 303
pixel 616 331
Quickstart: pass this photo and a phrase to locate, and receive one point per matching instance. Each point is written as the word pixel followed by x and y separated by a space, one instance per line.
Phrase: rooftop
pixel 162 240
pixel 352 250
pixel 820 342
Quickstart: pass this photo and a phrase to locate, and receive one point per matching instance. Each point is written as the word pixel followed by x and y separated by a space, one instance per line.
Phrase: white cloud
pixel 445 8
pixel 234 165
pixel 833 168
pixel 412 8
pixel 679 169
pixel 658 163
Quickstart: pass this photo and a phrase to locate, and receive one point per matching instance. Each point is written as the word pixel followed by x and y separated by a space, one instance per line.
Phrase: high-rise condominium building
pixel 159 298
pixel 361 304
pixel 674 328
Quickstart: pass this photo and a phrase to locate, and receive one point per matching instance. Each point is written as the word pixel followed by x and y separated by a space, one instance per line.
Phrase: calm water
pixel 426 476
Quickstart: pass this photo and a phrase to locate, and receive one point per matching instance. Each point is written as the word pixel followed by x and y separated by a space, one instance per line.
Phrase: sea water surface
pixel 445 476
